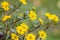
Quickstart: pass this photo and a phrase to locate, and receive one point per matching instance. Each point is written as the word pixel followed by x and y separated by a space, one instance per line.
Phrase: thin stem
pixel 34 29
pixel 15 21
pixel 6 29
pixel 48 26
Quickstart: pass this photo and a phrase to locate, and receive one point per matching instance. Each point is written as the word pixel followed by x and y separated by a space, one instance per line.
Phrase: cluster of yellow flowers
pixel 52 17
pixel 30 36
pixel 5 5
pixel 22 28
pixel 14 36
pixel 6 17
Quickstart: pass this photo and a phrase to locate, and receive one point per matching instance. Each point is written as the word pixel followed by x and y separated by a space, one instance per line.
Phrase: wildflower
pixel 23 2
pixel 6 17
pixel 42 34
pixel 41 21
pixel 24 26
pixel 30 36
pixel 55 18
pixel 49 16
pixel 22 29
pixel 32 15
pixel 52 17
pixel 14 36
pixel 5 5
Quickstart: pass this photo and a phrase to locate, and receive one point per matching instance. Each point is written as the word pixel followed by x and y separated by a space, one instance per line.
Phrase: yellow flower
pixel 32 15
pixel 42 34
pixel 22 29
pixel 23 2
pixel 30 36
pixel 49 16
pixel 6 17
pixel 24 26
pixel 5 5
pixel 14 36
pixel 41 21
pixel 52 17
pixel 55 18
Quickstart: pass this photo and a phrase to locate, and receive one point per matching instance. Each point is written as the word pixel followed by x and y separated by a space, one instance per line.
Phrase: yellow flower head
pixel 14 36
pixel 24 26
pixel 6 17
pixel 32 15
pixel 30 36
pixel 52 17
pixel 55 18
pixel 42 34
pixel 22 29
pixel 5 5
pixel 23 2
pixel 41 21
pixel 49 16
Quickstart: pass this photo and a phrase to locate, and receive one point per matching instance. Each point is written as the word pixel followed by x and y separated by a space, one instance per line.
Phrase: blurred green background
pixel 42 6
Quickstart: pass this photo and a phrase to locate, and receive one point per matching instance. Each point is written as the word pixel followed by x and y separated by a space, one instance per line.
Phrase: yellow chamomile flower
pixel 22 28
pixel 14 36
pixel 52 17
pixel 23 2
pixel 6 17
pixel 5 5
pixel 30 36
pixel 42 34
pixel 32 15
pixel 41 21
